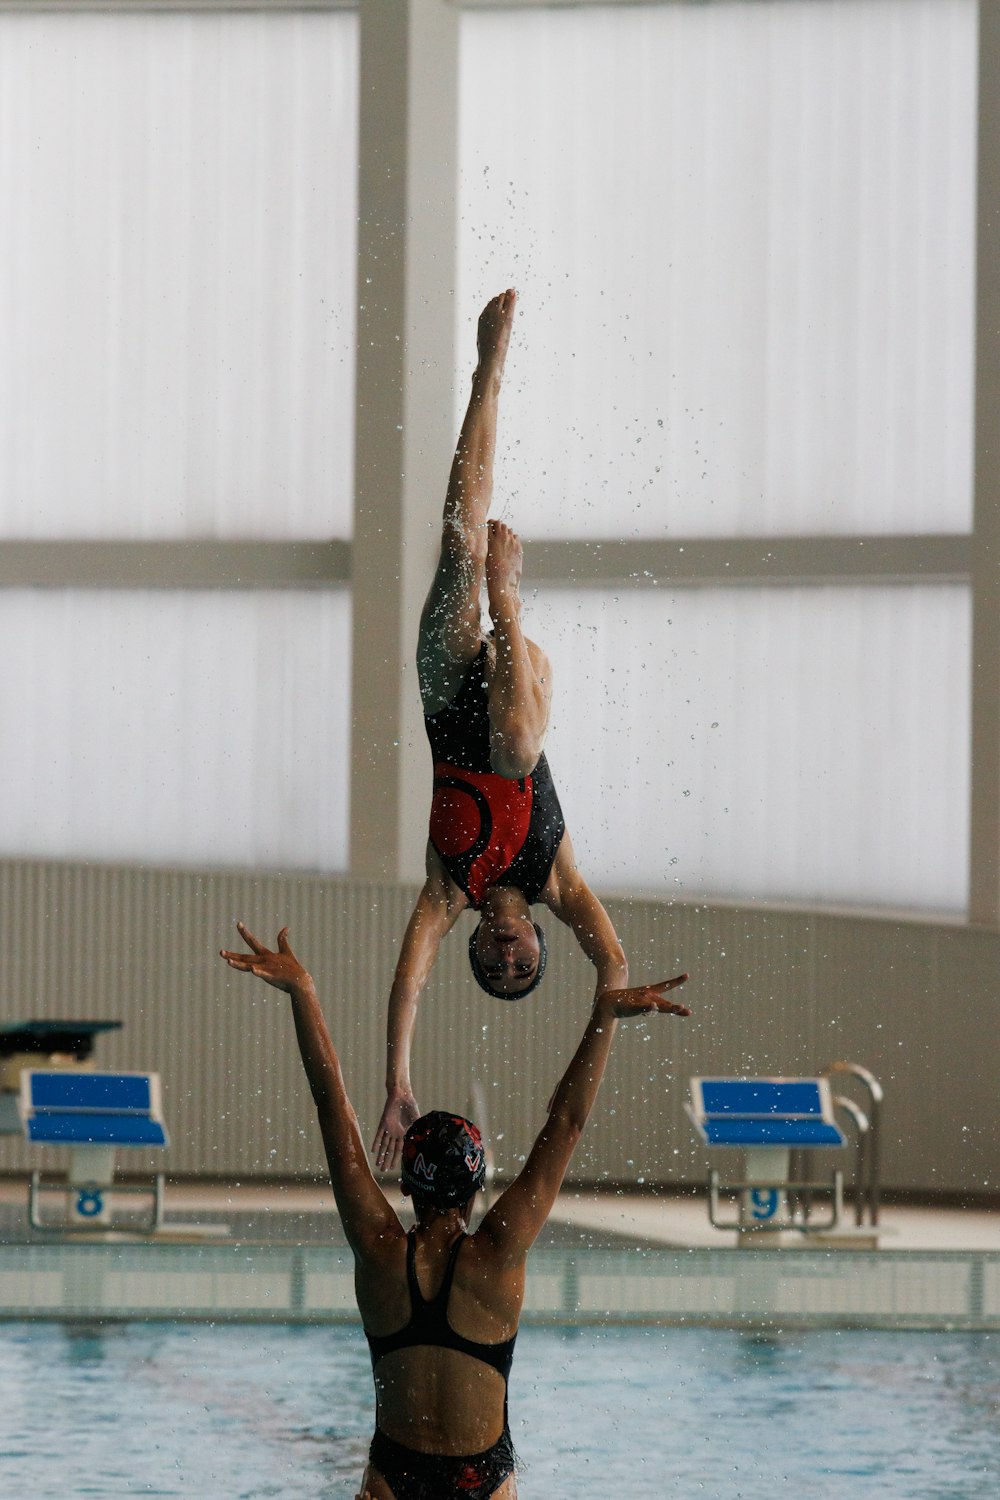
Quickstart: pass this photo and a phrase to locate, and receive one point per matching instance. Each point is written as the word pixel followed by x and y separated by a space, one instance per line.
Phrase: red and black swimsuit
pixel 487 829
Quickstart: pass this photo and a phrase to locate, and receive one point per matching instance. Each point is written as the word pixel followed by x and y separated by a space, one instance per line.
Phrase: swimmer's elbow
pixel 514 756
pixel 616 963
pixel 567 1127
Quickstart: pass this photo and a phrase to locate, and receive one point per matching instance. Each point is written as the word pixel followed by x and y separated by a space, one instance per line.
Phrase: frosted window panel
pixel 801 744
pixel 195 728
pixel 743 238
pixel 177 269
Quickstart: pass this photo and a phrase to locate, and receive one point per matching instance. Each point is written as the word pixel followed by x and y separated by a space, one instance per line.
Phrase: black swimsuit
pixel 411 1474
pixel 488 829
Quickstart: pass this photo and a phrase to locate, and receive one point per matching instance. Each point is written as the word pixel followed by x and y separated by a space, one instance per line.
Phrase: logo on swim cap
pixel 422 1168
pixel 443 1159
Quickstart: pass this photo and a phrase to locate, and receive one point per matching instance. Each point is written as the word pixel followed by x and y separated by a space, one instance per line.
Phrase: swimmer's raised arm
pixel 569 897
pixel 436 912
pixel 363 1207
pixel 518 1215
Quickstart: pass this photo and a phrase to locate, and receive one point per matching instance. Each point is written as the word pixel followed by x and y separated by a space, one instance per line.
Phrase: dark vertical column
pixel 405 424
pixel 984 875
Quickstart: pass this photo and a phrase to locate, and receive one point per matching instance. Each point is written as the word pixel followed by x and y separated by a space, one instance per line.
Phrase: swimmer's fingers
pixel 626 1011
pixel 280 969
pixel 665 1007
pixel 249 963
pixel 242 961
pixel 652 1005
pixel 649 992
pixel 245 962
pixel 250 940
pixel 387 1149
pixel 284 946
pixel 401 1109
pixel 645 999
pixel 671 1008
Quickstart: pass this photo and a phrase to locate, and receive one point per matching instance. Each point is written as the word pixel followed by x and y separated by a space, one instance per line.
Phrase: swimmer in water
pixel 498 842
pixel 440 1306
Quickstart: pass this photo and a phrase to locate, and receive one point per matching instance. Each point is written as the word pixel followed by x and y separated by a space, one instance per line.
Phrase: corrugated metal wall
pixel 772 992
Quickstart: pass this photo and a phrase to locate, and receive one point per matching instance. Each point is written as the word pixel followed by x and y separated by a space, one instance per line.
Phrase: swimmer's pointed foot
pixel 504 556
pixel 493 339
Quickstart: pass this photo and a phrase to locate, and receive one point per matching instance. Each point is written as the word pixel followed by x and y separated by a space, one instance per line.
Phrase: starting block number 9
pixel 89 1203
pixel 763 1203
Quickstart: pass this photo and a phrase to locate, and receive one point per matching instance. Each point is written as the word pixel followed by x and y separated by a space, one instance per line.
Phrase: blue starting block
pixel 767 1119
pixel 93 1114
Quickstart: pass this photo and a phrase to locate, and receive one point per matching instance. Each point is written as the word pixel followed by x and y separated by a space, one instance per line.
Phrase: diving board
pixel 94 1115
pixel 766 1119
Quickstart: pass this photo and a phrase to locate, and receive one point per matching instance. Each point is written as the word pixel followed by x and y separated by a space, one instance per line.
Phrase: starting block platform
pixel 93 1114
pixel 767 1119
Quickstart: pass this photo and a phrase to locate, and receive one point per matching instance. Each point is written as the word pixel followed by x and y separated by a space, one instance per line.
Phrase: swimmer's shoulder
pixel 439 886
pixel 380 1282
pixel 563 877
pixel 489 1272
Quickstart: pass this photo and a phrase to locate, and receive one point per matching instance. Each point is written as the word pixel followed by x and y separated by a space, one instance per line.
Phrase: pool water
pixel 227 1412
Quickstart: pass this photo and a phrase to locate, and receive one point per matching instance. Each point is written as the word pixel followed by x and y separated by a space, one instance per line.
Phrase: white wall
pixel 806 744
pixel 743 235
pixel 177 242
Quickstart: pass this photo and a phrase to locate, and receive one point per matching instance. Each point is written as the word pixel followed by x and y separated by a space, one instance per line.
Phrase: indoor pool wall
pixel 772 991
pixel 759 1289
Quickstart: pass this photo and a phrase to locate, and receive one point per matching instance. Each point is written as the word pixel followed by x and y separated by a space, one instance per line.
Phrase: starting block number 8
pixel 89 1203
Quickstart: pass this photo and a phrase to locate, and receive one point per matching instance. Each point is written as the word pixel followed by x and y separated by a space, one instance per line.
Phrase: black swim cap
pixel 479 974
pixel 443 1159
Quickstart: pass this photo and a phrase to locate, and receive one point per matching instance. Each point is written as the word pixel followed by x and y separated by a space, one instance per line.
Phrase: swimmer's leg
pixel 450 633
pixel 520 676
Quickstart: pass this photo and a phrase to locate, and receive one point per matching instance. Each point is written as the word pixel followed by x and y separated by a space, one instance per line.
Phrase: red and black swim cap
pixel 443 1159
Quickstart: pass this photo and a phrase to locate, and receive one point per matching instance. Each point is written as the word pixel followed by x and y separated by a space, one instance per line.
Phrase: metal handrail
pixel 867 1192
pixel 798 1189
pixel 863 1129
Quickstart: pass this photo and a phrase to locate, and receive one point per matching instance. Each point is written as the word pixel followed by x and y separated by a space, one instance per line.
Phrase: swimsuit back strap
pixel 416 1297
pixel 441 1300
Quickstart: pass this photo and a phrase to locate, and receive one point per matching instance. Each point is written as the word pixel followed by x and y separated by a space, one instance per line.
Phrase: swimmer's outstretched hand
pixel 281 969
pixel 401 1109
pixel 642 1000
